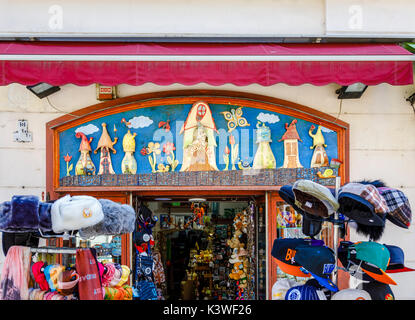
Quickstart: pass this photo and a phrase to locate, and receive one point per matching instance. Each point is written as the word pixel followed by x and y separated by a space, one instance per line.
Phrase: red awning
pixel 85 63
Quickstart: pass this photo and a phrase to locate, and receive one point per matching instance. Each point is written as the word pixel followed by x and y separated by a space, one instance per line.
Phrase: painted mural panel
pixel 195 137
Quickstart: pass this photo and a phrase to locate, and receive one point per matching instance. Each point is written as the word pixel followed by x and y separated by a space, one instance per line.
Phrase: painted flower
pixel 144 151
pixel 168 147
pixel 153 147
pixel 231 139
pixel 227 151
pixel 67 158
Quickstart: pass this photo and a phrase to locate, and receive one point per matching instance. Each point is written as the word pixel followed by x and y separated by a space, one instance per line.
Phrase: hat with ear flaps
pixel 25 213
pixel 118 219
pixel 74 213
pixel 363 203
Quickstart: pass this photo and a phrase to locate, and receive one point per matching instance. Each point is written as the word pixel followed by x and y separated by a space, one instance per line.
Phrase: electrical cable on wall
pixel 57 109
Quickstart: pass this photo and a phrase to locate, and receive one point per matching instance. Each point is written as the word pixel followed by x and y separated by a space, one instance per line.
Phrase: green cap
pixel 373 253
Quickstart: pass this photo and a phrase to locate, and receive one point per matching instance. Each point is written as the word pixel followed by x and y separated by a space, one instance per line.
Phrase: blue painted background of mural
pixel 177 114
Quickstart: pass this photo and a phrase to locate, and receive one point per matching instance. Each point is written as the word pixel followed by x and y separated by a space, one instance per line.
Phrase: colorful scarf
pixel 15 276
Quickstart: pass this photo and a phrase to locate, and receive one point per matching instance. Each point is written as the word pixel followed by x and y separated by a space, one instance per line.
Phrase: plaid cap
pixel 368 192
pixel 399 209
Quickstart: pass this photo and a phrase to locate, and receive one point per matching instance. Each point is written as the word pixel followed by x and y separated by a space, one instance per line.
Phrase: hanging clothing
pixel 26 239
pixel 15 276
pixel 89 285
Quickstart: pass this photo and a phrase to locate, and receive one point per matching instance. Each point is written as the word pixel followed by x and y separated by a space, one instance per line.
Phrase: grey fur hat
pixel 118 219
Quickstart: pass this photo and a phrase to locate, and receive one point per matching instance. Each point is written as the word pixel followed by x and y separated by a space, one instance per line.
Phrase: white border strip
pixel 203 58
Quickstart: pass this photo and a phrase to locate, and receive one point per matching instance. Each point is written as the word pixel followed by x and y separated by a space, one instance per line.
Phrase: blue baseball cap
pixel 319 262
pixel 304 292
pixel 397 260
pixel 284 250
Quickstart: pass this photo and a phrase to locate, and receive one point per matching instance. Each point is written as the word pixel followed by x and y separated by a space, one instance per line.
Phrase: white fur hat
pixel 73 213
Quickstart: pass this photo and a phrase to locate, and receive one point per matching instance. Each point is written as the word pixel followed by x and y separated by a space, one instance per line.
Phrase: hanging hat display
pixel 371 257
pixel 363 204
pixel 397 258
pixel 399 208
pixel 314 198
pixel 311 225
pixel 319 261
pixel 118 219
pixel 74 213
pixel 25 214
pixel 284 251
pixel 67 282
pixel 39 276
pixel 351 294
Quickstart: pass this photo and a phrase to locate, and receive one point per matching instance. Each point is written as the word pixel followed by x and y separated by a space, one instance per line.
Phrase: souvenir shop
pixel 204 194
pixel 202 231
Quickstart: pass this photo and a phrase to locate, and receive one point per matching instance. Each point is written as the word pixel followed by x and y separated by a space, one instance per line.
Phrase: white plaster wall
pixel 382 143
pixel 161 17
pixel 283 18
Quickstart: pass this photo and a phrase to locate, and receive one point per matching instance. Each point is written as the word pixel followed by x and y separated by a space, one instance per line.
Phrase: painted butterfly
pixel 235 119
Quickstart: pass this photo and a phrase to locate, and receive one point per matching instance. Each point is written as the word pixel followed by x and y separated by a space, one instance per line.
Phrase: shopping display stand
pixel 336 226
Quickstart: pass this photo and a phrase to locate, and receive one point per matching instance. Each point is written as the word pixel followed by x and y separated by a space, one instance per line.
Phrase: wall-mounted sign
pixel 106 92
pixel 22 134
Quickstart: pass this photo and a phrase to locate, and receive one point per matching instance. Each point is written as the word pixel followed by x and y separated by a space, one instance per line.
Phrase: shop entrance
pixel 206 248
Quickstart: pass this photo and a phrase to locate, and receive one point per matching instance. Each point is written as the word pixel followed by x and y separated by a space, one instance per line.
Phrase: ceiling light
pixel 163 199
pixel 197 200
pixel 43 89
pixel 353 91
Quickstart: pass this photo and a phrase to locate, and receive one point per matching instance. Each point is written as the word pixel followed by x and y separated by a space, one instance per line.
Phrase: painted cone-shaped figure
pixel 290 138
pixel 105 144
pixel 84 166
pixel 320 158
pixel 199 144
pixel 264 158
pixel 129 164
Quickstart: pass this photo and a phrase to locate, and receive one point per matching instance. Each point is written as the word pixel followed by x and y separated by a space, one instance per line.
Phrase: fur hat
pixel 74 213
pixel 25 214
pixel 118 219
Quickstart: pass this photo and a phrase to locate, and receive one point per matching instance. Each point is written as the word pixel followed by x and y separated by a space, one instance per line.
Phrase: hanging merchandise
pixel 74 213
pixel 371 257
pixel 242 254
pixel 89 285
pixel 319 261
pixel 118 219
pixel 144 287
pixel 67 282
pixel 38 269
pixel 15 275
pixel 304 292
pixel 314 198
pixel 366 203
pixel 311 224
pixel 362 203
pixel 25 214
pixel 378 290
pixel 399 212
pixel 158 275
pixel 284 251
pixel 280 288
pixel 397 260
pixel 351 294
